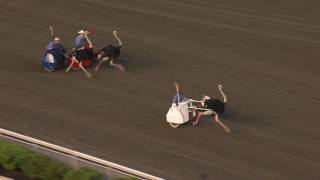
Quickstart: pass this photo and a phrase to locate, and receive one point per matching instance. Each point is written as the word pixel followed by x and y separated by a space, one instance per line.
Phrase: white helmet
pixel 56 39
pixel 81 32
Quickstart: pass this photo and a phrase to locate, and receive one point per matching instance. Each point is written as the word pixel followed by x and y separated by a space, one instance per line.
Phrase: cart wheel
pixel 174 125
pixel 48 70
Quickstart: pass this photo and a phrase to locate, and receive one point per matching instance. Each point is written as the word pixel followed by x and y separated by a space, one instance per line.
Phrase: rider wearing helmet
pixel 178 97
pixel 55 52
pixel 83 46
pixel 56 47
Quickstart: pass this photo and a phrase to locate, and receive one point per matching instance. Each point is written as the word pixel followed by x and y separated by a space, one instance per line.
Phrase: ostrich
pixel 221 104
pixel 215 107
pixel 110 53
pixel 222 93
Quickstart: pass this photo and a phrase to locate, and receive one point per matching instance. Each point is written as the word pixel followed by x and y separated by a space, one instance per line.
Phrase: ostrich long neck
pixel 89 42
pixel 116 36
pixel 222 93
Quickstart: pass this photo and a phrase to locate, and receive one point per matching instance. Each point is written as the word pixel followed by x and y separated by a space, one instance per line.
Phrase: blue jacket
pixel 178 98
pixel 55 48
pixel 80 41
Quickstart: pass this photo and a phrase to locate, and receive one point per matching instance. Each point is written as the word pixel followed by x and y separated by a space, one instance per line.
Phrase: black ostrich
pixel 217 106
pixel 110 53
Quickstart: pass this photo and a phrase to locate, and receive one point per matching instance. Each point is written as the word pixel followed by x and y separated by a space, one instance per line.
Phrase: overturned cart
pixel 182 112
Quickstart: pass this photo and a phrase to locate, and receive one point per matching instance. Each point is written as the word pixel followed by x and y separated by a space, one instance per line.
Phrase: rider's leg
pixel 50 58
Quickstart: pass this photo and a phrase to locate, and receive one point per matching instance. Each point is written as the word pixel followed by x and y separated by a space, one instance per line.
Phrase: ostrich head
pixel 99 54
pixel 204 98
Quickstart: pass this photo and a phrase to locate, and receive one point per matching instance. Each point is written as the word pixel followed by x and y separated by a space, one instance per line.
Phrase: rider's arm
pixel 61 48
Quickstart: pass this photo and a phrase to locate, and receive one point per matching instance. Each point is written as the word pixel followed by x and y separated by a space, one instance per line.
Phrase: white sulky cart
pixel 182 113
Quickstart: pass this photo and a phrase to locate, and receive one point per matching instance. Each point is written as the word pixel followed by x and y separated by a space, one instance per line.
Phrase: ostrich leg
pixel 100 63
pixel 119 66
pixel 226 128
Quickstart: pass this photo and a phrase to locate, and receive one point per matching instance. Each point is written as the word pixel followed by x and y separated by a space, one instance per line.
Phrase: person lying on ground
pixel 56 46
pixel 55 51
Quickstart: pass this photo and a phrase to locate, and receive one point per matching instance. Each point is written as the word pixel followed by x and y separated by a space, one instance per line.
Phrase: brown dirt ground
pixel 265 53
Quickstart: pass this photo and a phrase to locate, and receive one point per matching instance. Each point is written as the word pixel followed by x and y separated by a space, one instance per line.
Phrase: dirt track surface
pixel 265 53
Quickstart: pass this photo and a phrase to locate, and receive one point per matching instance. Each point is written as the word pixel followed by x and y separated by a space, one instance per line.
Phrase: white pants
pixel 50 58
